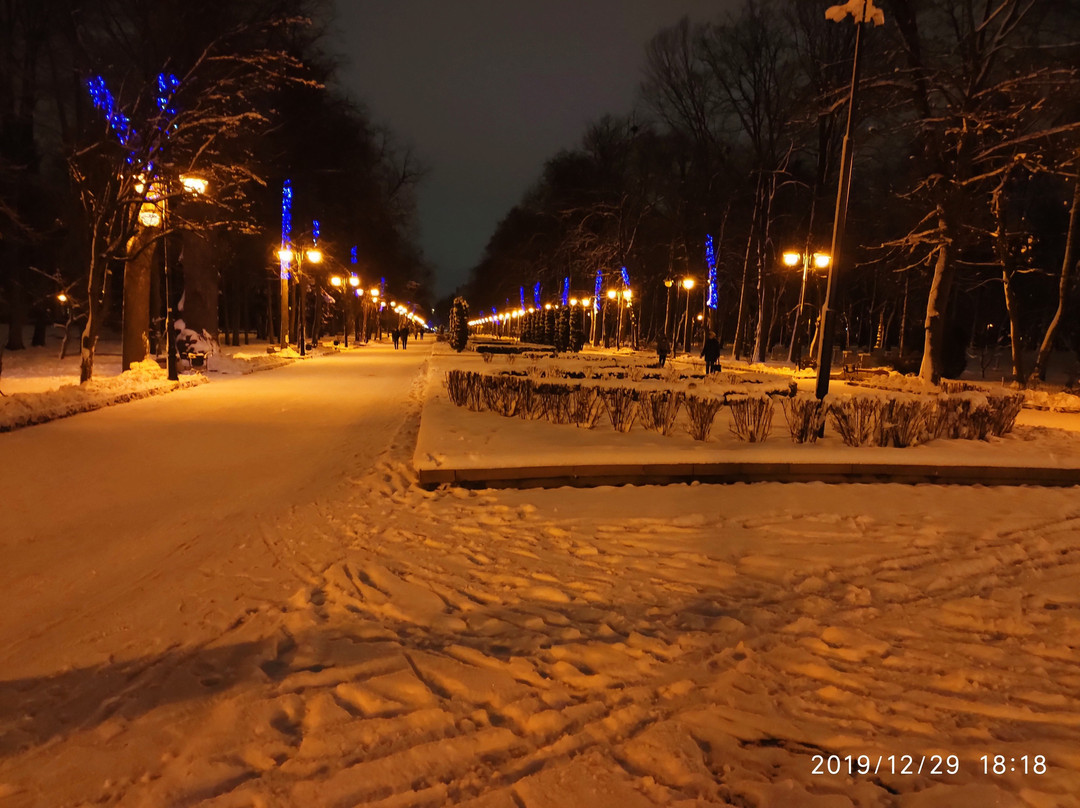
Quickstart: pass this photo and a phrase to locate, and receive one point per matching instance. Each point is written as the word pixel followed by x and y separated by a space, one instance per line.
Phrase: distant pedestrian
pixel 396 336
pixel 710 352
pixel 404 336
pixel 663 348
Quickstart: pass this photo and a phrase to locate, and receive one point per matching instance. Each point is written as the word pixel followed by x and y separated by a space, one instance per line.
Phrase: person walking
pixel 396 335
pixel 663 348
pixel 404 336
pixel 710 352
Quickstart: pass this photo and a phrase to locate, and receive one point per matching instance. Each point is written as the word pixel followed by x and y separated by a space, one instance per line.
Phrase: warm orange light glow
pixel 792 259
pixel 193 185
pixel 822 260
pixel 688 284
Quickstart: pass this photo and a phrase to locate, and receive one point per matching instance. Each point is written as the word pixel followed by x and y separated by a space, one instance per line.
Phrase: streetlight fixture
pixel 687 284
pixel 793 258
pixel 286 255
pixel 339 282
pixel 154 212
pixel 668 282
pixel 863 13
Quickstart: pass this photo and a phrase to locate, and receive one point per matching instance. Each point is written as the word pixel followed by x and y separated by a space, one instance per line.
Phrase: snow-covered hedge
pixel 144 379
pixel 871 419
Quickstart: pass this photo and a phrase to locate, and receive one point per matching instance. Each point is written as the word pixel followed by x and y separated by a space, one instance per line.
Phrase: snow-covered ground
pixel 236 595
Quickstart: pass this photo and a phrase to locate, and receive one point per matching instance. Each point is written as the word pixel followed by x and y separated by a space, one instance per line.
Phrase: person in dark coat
pixel 710 352
pixel 404 336
pixel 396 336
pixel 663 348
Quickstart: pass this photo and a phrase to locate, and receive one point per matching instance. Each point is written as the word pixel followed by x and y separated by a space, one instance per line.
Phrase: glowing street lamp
pixel 793 258
pixel 287 256
pixel 345 284
pixel 687 284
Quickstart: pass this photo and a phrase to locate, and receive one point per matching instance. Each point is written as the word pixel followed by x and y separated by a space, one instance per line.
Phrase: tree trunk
pixel 1068 264
pixel 937 303
pixel 95 310
pixel 136 311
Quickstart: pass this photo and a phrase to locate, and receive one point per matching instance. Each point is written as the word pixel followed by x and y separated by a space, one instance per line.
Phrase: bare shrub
pixel 658 409
pixel 751 417
pixel 586 405
pixel 457 387
pixel 487 356
pixel 530 402
pixel 905 422
pixel 621 409
pixel 501 394
pixel 1004 410
pixel 558 402
pixel 966 415
pixel 465 389
pixel 805 418
pixel 511 358
pixel 702 412
pixel 856 419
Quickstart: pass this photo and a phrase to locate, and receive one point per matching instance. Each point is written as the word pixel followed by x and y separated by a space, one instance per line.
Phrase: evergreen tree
pixel 459 324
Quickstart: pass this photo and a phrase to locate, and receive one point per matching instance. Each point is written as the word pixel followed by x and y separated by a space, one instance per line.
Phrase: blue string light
pixel 566 291
pixel 536 294
pixel 598 290
pixel 710 262
pixel 315 232
pixel 352 255
pixel 382 287
pixel 625 278
pixel 286 213
pixel 104 101
pixel 167 84
pixel 286 224
pixel 521 291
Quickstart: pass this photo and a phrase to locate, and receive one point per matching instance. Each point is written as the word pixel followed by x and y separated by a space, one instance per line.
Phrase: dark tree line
pixel 962 226
pixel 105 105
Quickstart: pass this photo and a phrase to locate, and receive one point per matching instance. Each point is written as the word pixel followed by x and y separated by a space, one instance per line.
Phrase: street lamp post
pixel 287 256
pixel 611 295
pixel 792 259
pixel 687 284
pixel 668 282
pixel 154 212
pixel 349 286
pixel 825 345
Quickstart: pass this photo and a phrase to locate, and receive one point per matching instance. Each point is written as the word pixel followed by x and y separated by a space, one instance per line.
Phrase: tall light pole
pixel 288 256
pixel 863 12
pixel 792 259
pixel 349 287
pixel 668 282
pixel 687 284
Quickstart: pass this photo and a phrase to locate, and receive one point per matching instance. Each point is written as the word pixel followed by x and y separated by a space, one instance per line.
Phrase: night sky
pixel 487 90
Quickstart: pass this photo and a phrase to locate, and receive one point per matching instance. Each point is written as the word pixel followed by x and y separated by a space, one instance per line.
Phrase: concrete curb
pixel 591 475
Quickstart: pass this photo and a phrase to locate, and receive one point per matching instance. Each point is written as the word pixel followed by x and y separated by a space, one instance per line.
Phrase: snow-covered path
pixel 343 637
pixel 153 497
